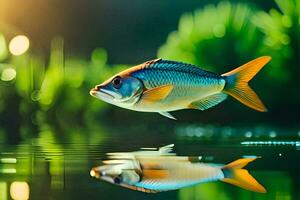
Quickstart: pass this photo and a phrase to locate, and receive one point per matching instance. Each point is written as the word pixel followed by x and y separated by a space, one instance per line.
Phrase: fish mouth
pixel 104 94
pixel 94 173
pixel 93 91
pixel 101 94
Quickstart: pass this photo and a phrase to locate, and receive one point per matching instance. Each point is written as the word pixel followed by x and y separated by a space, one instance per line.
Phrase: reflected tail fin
pixel 236 175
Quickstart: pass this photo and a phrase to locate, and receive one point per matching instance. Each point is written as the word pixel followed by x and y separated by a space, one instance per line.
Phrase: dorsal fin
pixel 149 62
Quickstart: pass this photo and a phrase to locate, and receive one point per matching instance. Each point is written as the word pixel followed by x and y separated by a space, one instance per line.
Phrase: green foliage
pixel 223 36
pixel 54 95
pixel 229 34
pixel 3 48
pixel 54 76
pixel 214 37
pixel 281 38
pixel 34 93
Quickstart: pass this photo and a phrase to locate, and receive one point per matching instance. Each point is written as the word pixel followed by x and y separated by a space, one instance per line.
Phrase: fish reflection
pixel 156 170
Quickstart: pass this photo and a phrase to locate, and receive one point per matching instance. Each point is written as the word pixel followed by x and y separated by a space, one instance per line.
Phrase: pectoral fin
pixel 153 170
pixel 151 165
pixel 168 115
pixel 208 102
pixel 155 174
pixel 157 94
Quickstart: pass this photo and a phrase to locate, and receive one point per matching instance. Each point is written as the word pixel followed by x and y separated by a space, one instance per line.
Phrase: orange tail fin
pixel 235 175
pixel 237 83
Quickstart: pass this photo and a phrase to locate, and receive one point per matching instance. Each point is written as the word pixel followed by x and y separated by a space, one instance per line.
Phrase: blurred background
pixel 52 52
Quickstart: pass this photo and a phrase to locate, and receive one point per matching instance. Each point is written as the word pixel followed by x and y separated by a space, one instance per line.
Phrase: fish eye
pixel 102 173
pixel 117 82
pixel 117 180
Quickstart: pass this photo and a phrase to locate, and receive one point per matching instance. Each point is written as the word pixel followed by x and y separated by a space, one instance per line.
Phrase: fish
pixel 163 86
pixel 158 169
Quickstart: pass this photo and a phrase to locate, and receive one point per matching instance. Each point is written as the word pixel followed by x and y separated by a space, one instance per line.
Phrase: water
pixel 57 166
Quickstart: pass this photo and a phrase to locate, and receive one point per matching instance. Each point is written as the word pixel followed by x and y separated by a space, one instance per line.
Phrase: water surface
pixel 56 165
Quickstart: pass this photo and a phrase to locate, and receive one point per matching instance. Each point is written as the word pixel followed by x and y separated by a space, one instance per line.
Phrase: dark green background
pixel 57 132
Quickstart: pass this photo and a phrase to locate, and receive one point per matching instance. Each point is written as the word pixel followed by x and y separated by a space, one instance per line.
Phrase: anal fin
pixel 168 115
pixel 208 102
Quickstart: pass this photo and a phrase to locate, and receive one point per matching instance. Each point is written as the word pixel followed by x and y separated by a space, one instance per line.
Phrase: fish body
pixel 178 174
pixel 189 83
pixel 157 171
pixel 162 86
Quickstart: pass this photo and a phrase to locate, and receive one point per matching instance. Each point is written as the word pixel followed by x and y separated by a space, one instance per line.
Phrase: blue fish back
pixel 169 65
pixel 159 72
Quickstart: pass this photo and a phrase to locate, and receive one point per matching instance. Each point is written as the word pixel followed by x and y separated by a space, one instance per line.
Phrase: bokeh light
pixel 19 45
pixel 19 190
pixel 8 74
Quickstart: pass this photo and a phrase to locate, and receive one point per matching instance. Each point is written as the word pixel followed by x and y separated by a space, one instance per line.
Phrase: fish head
pixel 120 90
pixel 107 173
